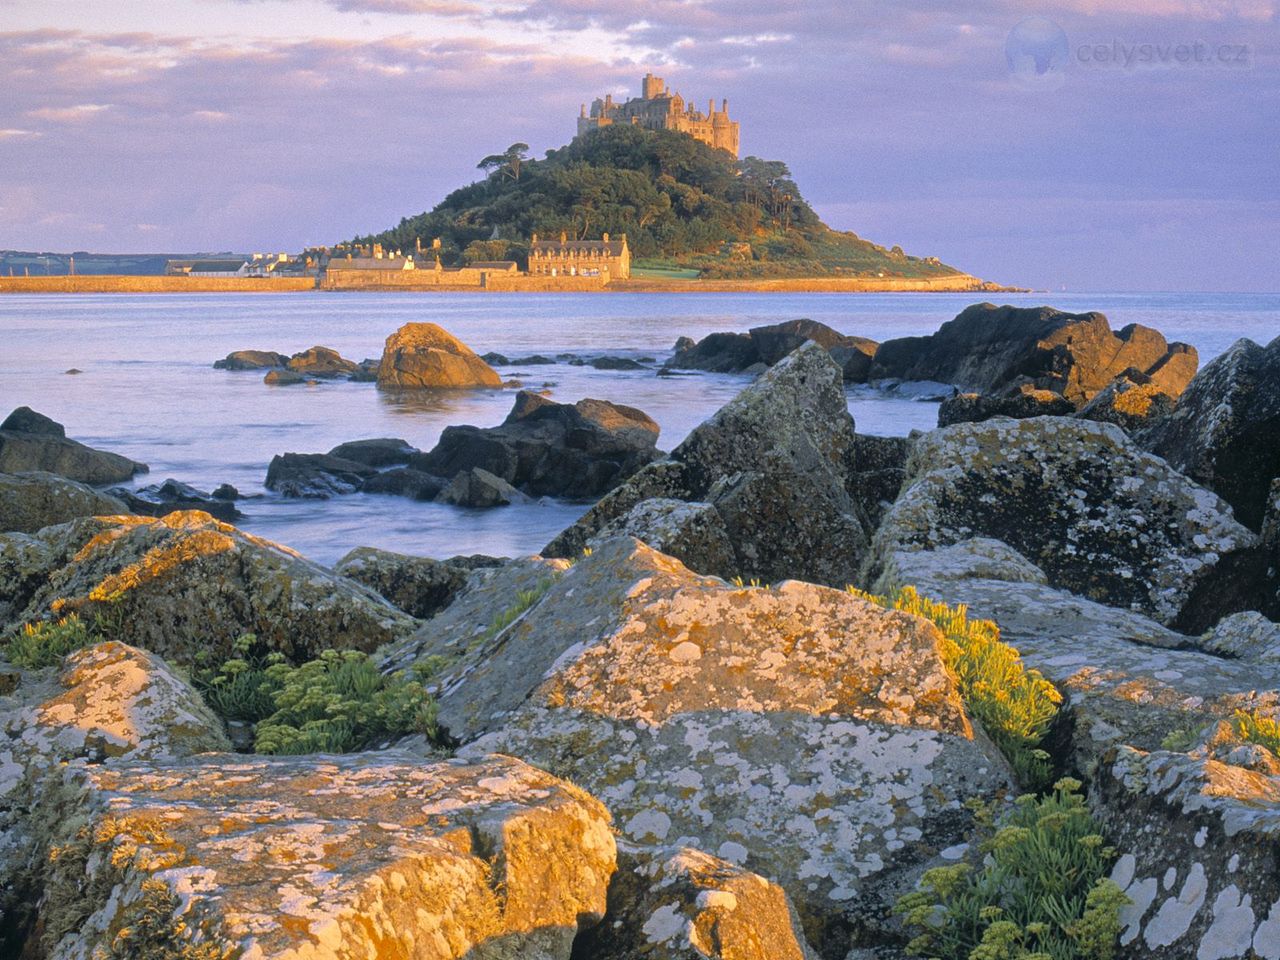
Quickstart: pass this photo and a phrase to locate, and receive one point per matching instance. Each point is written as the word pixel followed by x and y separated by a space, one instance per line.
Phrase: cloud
pixel 13 133
pixel 441 8
pixel 81 111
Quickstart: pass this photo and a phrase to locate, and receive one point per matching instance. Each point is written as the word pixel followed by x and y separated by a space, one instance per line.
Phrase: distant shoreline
pixel 184 284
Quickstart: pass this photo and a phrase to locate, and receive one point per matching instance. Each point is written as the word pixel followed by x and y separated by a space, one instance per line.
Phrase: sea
pixel 147 387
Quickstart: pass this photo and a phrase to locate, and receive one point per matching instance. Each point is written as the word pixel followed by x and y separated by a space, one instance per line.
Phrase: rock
pixel 615 363
pixel 1247 636
pixel 778 340
pixel 495 359
pixel 161 499
pixel 479 488
pixel 380 452
pixel 1132 400
pixel 987 347
pixel 716 353
pixel 766 346
pixel 405 482
pixel 225 491
pixel 315 476
pixel 31 501
pixel 26 420
pixel 425 355
pixel 187 584
pixel 106 702
pixel 875 469
pixel 1225 432
pixel 1199 840
pixel 534 360
pixel 322 362
pixel 32 443
pixel 285 378
pixel 252 360
pixel 1019 402
pixel 377 854
pixel 855 357
pixel 545 448
pixel 366 371
pixel 693 533
pixel 798 731
pixel 662 479
pixel 1078 499
pixel 419 586
pixel 693 906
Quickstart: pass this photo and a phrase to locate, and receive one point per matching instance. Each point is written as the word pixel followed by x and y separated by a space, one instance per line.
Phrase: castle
pixel 657 108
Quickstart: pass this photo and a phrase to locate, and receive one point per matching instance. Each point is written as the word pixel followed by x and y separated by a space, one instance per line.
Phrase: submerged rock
pixel 252 360
pixel 31 501
pixel 805 734
pixel 32 443
pixel 419 586
pixel 425 355
pixel 187 585
pixel 1100 517
pixel 376 854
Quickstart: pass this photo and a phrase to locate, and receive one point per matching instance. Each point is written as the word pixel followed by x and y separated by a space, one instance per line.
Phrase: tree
pixel 508 163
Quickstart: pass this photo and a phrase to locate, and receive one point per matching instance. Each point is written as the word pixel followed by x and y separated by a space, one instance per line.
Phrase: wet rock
pixel 693 906
pixel 252 360
pixel 1199 840
pixel 225 491
pixel 1225 432
pixel 693 533
pixel 368 855
pixel 285 378
pixel 322 362
pixel 1019 402
pixel 765 346
pixel 315 476
pixel 777 340
pixel 424 355
pixel 419 586
pixel 545 448
pixel 366 371
pixel 770 726
pixel 1132 400
pixel 1100 517
pixel 986 348
pixel 405 482
pixel 30 501
pixel 32 443
pixel 715 353
pixel 187 584
pixel 162 499
pixel 379 452
pixel 479 488
pixel 495 359
pixel 1247 636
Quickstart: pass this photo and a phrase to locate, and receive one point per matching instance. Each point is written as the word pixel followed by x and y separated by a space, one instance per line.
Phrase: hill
pixel 683 205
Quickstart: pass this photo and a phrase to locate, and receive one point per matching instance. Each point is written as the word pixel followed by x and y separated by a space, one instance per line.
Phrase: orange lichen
pixel 160 560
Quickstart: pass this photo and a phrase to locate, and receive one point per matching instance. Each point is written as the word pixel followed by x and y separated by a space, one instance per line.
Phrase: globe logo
pixel 1037 54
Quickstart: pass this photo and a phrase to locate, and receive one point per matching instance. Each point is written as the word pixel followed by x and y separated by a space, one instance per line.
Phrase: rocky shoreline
pixel 775 695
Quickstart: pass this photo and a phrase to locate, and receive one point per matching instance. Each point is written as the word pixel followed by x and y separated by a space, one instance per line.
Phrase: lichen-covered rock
pixel 693 906
pixel 1247 636
pixel 31 501
pixel 796 730
pixel 186 584
pixel 1199 841
pixel 1019 402
pixel 1225 432
pixel 986 348
pixel 106 702
pixel 422 355
pixel 32 443
pixel 376 854
pixel 874 470
pixel 420 586
pixel 1132 400
pixel 693 533
pixel 772 462
pixel 1100 517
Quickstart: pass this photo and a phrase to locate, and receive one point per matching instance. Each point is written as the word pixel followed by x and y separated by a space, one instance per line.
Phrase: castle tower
pixel 651 87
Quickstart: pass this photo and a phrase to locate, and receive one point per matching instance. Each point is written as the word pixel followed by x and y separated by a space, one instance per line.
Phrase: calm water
pixel 148 389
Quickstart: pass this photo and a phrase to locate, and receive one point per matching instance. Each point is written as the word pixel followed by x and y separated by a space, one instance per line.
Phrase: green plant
pixel 1257 728
pixel 155 929
pixel 1041 892
pixel 524 600
pixel 45 643
pixel 1015 706
pixel 1180 739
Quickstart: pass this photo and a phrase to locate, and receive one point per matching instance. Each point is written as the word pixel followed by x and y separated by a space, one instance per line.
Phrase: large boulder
pixel 546 448
pixel 810 736
pixel 315 476
pixel 322 362
pixel 376 854
pixel 693 533
pixel 186 586
pixel 1132 400
pixel 31 442
pixel 767 345
pixel 715 353
pixel 425 355
pixel 106 702
pixel 1225 432
pixel 420 586
pixel 987 347
pixel 1077 498
pixel 252 360
pixel 773 463
pixel 30 501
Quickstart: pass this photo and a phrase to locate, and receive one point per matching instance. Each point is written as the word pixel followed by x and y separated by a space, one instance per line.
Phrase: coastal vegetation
pixel 683 205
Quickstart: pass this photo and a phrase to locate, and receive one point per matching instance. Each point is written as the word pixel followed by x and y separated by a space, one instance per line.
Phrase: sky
pixel 1146 156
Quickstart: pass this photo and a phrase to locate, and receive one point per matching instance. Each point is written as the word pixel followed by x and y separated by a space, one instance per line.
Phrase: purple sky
pixel 137 125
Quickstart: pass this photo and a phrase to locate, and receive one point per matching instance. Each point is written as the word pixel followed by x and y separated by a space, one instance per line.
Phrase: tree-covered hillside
pixel 681 203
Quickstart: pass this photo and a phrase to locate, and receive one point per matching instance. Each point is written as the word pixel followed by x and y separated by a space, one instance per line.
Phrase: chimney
pixel 533 238
pixel 711 109
pixel 563 236
pixel 724 108
pixel 604 237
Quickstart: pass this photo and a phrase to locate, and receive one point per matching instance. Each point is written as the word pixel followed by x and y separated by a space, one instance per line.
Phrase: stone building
pixel 657 108
pixel 580 258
